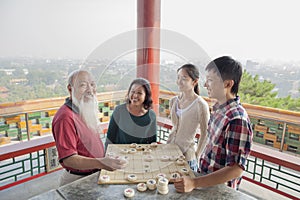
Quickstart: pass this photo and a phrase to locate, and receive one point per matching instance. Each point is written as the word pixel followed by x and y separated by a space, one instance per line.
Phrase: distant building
pixel 294 92
pixel 25 71
pixel 8 72
pixel 18 81
pixel 251 65
pixel 3 92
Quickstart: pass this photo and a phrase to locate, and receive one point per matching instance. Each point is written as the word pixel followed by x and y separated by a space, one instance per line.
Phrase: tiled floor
pixel 32 188
pixel 259 192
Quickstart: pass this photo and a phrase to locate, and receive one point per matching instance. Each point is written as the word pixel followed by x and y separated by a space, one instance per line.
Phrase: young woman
pixel 133 121
pixel 189 112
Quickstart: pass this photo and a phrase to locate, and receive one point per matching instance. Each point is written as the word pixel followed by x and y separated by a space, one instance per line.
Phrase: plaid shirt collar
pixel 225 105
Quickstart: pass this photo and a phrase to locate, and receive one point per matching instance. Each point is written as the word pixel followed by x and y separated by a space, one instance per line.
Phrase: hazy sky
pixel 252 29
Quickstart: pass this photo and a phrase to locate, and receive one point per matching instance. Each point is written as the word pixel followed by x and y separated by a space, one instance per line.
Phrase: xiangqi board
pixel 145 162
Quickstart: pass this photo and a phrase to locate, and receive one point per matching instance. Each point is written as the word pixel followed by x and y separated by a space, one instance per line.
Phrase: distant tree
pixel 19 73
pixel 257 92
pixel 60 90
pixel 4 80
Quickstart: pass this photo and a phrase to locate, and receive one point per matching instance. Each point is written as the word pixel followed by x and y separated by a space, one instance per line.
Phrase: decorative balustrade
pixel 26 143
pixel 268 168
pixel 279 173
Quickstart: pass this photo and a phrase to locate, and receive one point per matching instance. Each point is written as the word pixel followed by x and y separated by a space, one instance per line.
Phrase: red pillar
pixel 148 44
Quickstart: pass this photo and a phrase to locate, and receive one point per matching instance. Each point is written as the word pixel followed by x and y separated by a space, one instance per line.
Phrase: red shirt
pixel 72 136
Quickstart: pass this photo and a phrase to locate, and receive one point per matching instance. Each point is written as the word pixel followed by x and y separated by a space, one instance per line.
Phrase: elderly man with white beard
pixel 75 129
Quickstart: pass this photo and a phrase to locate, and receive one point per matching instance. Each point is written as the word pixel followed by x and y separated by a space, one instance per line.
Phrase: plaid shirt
pixel 229 139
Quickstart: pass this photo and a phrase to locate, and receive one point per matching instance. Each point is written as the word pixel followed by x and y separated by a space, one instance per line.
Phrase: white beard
pixel 88 112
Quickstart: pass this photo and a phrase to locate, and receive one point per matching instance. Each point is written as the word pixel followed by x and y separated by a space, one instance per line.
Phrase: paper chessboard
pixel 141 167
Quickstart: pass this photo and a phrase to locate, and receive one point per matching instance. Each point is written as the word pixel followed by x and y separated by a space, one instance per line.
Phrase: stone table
pixel 88 188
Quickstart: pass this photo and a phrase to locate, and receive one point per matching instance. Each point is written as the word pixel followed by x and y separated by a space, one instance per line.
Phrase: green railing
pixel 21 167
pixel 277 177
pixel 278 129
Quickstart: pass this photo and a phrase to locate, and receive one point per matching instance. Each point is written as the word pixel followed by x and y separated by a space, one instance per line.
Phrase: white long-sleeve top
pixel 185 124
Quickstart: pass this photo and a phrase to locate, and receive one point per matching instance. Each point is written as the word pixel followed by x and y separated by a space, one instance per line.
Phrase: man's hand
pixel 183 184
pixel 112 164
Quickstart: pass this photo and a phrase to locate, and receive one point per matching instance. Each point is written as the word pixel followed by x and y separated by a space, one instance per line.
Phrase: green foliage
pixel 257 92
pixel 42 83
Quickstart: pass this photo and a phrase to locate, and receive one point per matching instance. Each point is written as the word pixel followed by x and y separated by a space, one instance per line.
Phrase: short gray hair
pixel 75 74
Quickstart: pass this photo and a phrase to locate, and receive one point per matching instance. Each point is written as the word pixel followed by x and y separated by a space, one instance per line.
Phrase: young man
pixel 75 129
pixel 229 130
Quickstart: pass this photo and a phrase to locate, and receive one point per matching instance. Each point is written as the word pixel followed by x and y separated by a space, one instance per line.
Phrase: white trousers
pixel 66 178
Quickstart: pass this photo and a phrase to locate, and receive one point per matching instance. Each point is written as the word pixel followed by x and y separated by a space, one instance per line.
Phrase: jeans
pixel 193 165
